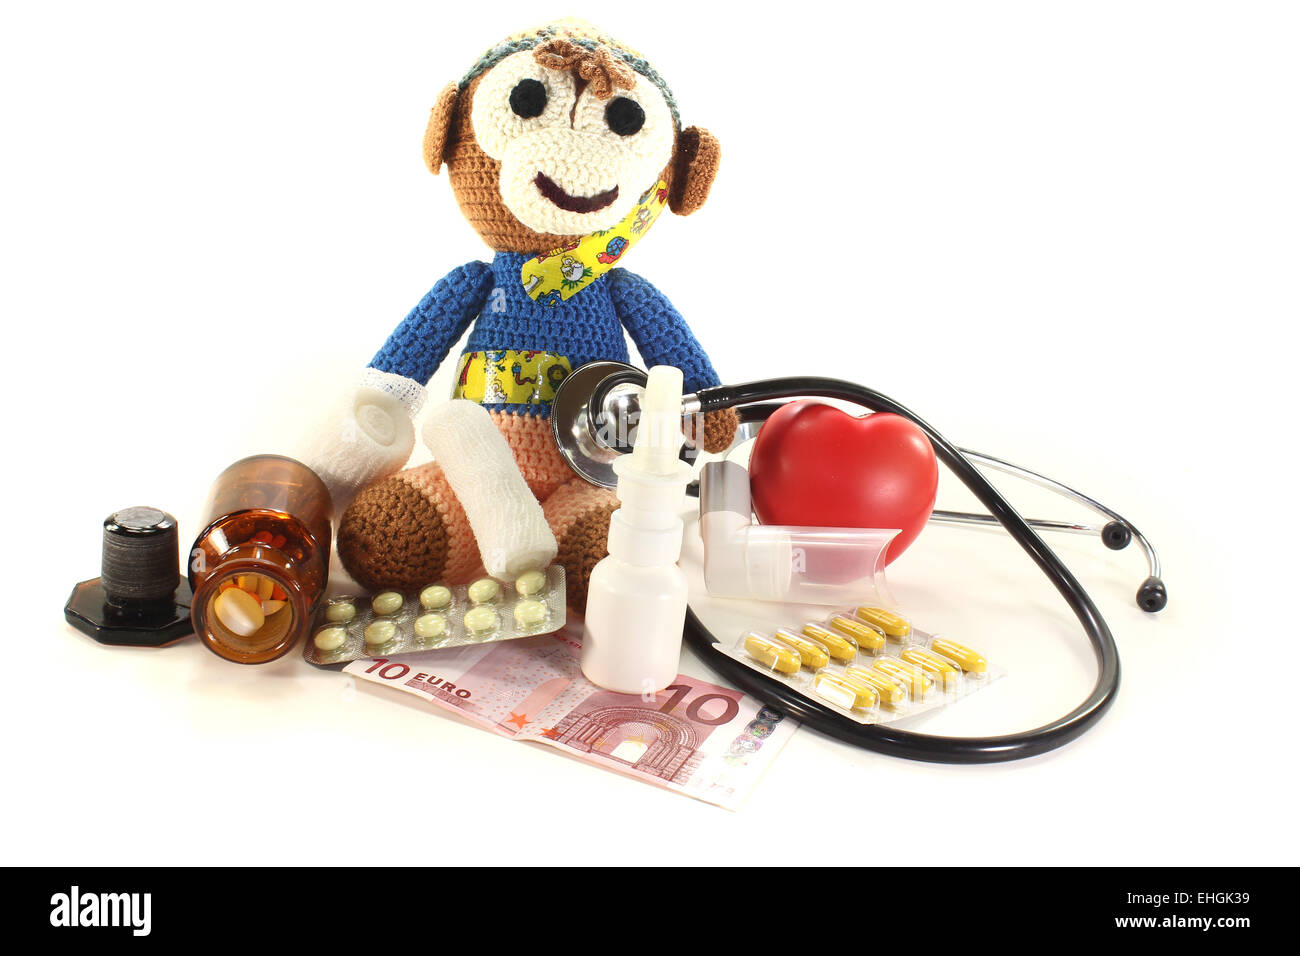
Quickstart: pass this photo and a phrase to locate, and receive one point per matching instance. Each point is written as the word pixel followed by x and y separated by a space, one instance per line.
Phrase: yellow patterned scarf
pixel 562 273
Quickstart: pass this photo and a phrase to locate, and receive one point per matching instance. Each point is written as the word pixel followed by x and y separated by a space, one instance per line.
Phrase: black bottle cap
pixel 141 558
pixel 139 599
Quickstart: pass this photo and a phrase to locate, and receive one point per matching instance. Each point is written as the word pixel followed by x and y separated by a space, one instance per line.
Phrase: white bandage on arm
pixel 508 523
pixel 366 436
pixel 405 390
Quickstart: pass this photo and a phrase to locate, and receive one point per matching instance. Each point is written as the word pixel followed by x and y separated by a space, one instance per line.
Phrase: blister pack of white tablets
pixel 437 616
pixel 868 663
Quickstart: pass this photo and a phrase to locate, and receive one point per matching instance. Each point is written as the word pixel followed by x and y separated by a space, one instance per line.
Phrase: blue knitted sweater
pixel 586 328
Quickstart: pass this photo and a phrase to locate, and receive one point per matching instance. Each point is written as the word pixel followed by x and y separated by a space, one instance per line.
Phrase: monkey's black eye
pixel 624 116
pixel 528 98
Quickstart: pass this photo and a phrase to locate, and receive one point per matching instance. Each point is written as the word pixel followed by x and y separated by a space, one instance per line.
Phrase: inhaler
pixel 636 599
pixel 792 565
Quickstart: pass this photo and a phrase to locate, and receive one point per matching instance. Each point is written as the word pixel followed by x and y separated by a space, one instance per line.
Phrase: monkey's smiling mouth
pixel 547 187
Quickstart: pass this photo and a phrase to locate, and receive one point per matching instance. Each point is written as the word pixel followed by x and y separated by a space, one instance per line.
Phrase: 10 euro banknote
pixel 696 738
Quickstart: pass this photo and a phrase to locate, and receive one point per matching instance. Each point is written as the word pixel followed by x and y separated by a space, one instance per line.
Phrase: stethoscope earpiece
pixel 1116 536
pixel 1152 595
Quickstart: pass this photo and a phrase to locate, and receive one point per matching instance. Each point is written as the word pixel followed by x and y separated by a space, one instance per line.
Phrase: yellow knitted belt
pixel 510 377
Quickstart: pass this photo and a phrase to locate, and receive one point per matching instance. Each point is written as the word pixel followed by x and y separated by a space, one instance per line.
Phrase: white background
pixel 1065 234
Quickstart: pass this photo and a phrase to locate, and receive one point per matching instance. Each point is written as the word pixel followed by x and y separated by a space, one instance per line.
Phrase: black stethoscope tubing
pixel 886 738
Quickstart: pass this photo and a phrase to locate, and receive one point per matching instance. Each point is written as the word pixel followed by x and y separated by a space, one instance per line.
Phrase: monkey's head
pixel 557 133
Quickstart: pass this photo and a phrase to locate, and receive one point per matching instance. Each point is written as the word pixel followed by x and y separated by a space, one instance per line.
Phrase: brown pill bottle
pixel 267 537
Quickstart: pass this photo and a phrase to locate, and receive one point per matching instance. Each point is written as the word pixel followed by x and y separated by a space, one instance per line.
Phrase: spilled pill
pixel 813 655
pixel 530 583
pixel 893 625
pixel 868 638
pixel 842 648
pixel 913 678
pixel 330 638
pixel 937 667
pixel 239 611
pixel 530 612
pixel 484 591
pixel 773 654
pixel 389 602
pixel 380 632
pixel 340 613
pixel 970 661
pixel 891 692
pixel 849 694
pixel 435 597
pixel 429 626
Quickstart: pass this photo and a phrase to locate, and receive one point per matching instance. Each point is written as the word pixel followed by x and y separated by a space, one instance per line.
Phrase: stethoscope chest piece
pixel 590 420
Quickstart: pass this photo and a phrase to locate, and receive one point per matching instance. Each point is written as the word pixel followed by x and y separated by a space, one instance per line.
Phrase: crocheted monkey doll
pixel 561 146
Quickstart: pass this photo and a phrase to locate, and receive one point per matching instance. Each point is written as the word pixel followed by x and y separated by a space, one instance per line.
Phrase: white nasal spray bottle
pixel 636 601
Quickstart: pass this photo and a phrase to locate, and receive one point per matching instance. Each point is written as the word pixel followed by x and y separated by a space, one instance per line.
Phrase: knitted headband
pixel 580 34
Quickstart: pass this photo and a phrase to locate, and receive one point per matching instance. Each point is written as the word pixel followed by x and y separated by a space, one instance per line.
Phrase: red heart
pixel 816 466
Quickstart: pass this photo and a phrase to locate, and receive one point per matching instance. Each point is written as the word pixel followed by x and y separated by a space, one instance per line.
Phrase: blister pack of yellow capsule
pixel 868 663
pixel 437 616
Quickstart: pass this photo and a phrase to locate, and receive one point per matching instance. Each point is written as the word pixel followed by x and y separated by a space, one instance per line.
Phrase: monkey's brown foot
pixel 407 531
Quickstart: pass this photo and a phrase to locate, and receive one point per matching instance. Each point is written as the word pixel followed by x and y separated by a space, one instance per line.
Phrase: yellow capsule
pixel 932 664
pixel 849 694
pixel 840 648
pixel 773 654
pixel 913 678
pixel 868 638
pixel 891 692
pixel 970 661
pixel 887 621
pixel 812 654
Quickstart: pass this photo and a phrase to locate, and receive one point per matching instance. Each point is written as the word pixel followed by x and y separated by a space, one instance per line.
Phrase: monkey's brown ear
pixel 435 134
pixel 695 163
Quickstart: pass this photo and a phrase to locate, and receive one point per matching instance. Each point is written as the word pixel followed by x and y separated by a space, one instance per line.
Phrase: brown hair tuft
pixel 601 68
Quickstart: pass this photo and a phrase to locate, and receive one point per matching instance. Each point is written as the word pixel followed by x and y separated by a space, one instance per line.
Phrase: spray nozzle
pixel 659 429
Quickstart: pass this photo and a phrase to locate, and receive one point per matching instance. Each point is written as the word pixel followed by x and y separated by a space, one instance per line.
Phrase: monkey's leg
pixel 578 514
pixel 533 445
pixel 408 531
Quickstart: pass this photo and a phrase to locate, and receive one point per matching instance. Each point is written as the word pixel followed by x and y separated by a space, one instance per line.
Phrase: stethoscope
pixel 588 419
